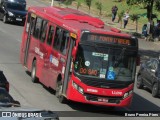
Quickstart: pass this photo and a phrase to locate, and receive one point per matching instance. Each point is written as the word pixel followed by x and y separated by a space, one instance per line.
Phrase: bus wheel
pixel 155 90
pixel 139 82
pixel 5 19
pixel 58 94
pixel 33 72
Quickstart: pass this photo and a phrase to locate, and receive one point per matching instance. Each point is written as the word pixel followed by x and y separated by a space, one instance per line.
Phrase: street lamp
pixel 52 2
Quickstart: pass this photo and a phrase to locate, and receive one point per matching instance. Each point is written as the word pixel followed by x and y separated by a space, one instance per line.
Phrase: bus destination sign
pixel 108 39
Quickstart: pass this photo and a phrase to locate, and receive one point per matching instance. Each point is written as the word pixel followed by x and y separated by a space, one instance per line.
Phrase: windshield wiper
pixel 119 58
pixel 117 61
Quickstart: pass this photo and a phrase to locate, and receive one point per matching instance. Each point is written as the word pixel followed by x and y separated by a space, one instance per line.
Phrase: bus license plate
pixel 102 100
pixel 18 19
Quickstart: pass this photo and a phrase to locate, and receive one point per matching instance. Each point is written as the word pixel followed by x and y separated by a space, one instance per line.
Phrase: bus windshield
pixel 105 63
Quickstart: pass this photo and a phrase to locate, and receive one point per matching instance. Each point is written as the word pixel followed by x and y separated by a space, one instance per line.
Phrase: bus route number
pixel 88 71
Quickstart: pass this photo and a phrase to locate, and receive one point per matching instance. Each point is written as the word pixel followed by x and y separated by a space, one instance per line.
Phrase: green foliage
pixel 157 5
pixel 134 17
pixel 136 2
pixel 148 3
pixel 99 7
pixel 68 2
pixel 78 4
pixel 120 16
pixel 88 3
pixel 122 6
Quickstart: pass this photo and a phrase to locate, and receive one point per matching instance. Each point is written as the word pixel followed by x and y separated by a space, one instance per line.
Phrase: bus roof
pixel 75 20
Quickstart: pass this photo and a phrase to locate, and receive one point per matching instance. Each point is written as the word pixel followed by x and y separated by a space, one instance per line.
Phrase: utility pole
pixel 52 2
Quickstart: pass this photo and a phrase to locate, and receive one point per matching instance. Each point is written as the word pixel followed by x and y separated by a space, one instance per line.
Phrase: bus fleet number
pixel 88 71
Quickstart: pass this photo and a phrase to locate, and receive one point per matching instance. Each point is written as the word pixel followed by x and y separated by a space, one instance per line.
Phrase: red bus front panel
pixel 78 91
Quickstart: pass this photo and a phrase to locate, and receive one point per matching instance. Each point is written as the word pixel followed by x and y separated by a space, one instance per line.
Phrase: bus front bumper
pixel 77 94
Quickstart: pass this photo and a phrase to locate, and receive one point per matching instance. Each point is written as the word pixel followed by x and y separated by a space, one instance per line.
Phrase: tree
pixel 134 18
pixel 99 7
pixel 68 2
pixel 157 5
pixel 149 4
pixel 120 16
pixel 78 4
pixel 88 3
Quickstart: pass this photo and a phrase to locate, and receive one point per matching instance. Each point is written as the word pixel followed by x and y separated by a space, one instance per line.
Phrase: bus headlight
pixel 80 90
pixel 77 87
pixel 127 94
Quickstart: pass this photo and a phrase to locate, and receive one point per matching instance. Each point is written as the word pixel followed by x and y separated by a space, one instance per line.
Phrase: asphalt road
pixel 35 95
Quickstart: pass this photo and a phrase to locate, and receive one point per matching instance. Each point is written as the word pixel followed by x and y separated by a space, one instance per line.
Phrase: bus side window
pixel 64 42
pixel 32 23
pixel 50 35
pixel 57 38
pixel 28 22
pixel 43 31
pixel 36 31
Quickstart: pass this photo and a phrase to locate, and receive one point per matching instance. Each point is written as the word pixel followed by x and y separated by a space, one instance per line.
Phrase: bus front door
pixel 68 67
pixel 29 29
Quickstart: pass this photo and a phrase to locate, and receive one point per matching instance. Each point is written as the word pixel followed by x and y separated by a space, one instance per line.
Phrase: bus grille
pixel 108 99
pixel 105 84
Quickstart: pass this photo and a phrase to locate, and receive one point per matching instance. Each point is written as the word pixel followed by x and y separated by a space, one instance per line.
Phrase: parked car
pixel 6 99
pixel 149 76
pixel 3 81
pixel 13 11
pixel 12 108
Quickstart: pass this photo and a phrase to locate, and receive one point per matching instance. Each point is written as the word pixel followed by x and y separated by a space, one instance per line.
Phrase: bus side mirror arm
pixel 74 51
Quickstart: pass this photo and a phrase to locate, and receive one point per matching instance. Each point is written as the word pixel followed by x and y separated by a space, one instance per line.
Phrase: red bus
pixel 74 54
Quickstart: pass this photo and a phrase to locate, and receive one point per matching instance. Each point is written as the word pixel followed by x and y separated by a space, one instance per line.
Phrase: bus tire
pixel 58 94
pixel 33 72
pixel 155 90
pixel 5 19
pixel 139 82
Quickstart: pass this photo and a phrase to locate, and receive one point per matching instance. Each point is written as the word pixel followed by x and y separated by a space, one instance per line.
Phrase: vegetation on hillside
pixel 139 10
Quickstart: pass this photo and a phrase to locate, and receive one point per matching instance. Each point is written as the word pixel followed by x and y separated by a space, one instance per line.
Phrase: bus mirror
pixel 138 60
pixel 74 52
